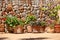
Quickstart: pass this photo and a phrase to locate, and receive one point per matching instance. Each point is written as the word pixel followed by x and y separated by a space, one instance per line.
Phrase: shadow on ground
pixel 41 38
pixel 3 38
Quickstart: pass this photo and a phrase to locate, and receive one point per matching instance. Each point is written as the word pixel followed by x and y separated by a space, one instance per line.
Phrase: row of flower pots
pixel 13 25
pixel 30 29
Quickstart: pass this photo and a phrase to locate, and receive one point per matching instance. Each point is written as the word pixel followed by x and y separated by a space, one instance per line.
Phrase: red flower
pixel 3 19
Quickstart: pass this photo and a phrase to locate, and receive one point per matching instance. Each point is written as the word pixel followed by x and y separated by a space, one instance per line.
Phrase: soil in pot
pixel 57 28
pixel 19 29
pixel 29 29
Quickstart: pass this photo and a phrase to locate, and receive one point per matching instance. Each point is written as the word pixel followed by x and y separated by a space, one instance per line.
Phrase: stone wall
pixel 24 7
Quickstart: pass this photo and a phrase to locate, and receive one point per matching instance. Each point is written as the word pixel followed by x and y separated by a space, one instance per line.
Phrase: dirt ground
pixel 30 36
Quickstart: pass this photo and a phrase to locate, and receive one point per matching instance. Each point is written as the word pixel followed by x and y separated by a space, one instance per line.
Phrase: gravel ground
pixel 30 36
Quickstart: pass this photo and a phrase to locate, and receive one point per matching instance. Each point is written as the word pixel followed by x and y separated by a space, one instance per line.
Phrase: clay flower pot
pixel 36 29
pixel 2 28
pixel 29 29
pixel 42 29
pixel 57 28
pixel 49 30
pixel 10 29
pixel 18 29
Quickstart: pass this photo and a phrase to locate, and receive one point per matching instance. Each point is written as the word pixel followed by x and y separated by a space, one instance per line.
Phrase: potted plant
pixel 39 26
pixel 50 28
pixel 42 26
pixel 10 23
pixel 29 20
pixel 36 27
pixel 14 25
pixel 57 27
pixel 20 27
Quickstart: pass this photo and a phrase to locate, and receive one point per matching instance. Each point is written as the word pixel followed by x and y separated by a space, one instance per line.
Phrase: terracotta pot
pixel 18 29
pixel 36 29
pixel 57 28
pixel 29 29
pixel 2 28
pixel 42 29
pixel 49 30
pixel 10 29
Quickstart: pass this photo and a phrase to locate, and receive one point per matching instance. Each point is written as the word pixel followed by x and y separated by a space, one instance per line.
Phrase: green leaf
pixel 30 18
pixel 43 8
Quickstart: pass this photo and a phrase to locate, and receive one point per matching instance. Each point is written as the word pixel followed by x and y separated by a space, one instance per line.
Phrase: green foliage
pixel 44 9
pixel 30 18
pixel 52 25
pixel 21 22
pixel 53 12
pixel 57 7
pixel 58 21
pixel 43 23
pixel 11 21
pixel 49 4
pixel 52 15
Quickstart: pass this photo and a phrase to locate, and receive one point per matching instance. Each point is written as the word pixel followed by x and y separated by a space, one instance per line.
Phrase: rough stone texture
pixel 34 8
